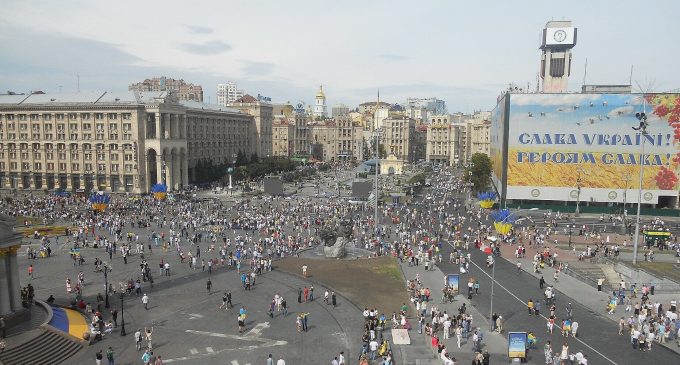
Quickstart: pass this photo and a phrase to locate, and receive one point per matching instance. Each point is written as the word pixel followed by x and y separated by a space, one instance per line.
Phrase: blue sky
pixel 464 52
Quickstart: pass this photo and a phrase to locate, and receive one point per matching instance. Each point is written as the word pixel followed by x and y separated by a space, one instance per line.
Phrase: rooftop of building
pixel 100 98
pixel 86 97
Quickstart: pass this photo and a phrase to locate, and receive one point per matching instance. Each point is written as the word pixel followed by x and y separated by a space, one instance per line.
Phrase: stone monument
pixel 335 237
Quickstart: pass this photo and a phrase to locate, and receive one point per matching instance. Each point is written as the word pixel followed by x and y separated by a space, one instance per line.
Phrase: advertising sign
pixel 517 344
pixel 558 143
pixel 452 282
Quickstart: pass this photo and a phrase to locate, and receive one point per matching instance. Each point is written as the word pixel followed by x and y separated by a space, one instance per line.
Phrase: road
pixel 598 336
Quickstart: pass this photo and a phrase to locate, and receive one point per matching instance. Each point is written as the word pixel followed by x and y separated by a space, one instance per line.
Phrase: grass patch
pixel 665 269
pixel 389 269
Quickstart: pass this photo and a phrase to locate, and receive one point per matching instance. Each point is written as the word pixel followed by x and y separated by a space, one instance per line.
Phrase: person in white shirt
pixel 373 346
pixel 281 362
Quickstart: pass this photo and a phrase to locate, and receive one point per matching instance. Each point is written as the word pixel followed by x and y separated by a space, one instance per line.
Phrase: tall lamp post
pixel 493 268
pixel 577 212
pixel 642 129
pixel 377 166
pixel 122 314
pixel 106 285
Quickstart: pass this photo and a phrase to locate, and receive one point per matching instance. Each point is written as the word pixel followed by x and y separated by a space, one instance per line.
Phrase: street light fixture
pixel 577 212
pixel 642 128
pixel 122 314
pixel 106 286
pixel 377 164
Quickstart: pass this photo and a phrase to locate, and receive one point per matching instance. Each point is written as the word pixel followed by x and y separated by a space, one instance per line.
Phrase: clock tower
pixel 557 40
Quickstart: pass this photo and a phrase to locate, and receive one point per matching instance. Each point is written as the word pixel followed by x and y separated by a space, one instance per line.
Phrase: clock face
pixel 560 35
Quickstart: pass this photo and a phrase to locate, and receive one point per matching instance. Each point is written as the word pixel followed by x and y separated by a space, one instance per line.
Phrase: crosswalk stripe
pixel 193 351
pixel 209 349
pixel 234 362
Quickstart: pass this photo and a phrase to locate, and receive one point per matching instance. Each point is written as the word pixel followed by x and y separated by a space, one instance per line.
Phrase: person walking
pixel 281 361
pixel 304 270
pixel 98 357
pixel 138 339
pixel 145 300
pixel 208 286
pixel 270 360
pixel 110 356
pixel 30 271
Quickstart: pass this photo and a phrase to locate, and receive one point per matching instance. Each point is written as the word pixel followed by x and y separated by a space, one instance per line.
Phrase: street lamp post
pixel 571 227
pixel 577 212
pixel 642 128
pixel 377 164
pixel 106 286
pixel 122 314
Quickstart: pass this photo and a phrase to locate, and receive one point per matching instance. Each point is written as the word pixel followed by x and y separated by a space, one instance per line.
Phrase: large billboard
pixel 559 142
pixel 497 144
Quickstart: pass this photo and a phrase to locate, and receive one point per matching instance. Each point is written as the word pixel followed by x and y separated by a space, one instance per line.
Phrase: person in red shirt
pixel 30 271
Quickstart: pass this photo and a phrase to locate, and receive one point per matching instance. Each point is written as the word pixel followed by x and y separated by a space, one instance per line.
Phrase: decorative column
pixel 13 275
pixel 5 304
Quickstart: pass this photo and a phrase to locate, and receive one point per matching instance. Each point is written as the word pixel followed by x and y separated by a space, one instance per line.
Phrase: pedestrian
pixel 299 295
pixel 148 334
pixel 333 299
pixel 98 357
pixel 109 356
pixel 341 358
pixel 145 300
pixel 270 360
pixel 30 271
pixel 304 270
pixel 114 317
pixel 208 286
pixel 241 323
pixel 311 293
pixel 229 304
pixel 281 361
pixel 541 282
pixel 138 339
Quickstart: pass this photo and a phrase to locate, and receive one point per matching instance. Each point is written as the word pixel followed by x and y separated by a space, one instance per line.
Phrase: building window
pixel 114 168
pixel 126 116
pixel 85 115
pixel 75 167
pixel 99 116
pixel 62 166
pixel 113 116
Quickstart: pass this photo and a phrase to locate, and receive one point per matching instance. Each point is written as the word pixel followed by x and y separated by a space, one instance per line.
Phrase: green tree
pixel 382 151
pixel 241 159
pixel 254 158
pixel 479 171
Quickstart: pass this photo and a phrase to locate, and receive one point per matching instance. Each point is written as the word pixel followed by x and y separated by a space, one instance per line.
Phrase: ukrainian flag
pixel 69 321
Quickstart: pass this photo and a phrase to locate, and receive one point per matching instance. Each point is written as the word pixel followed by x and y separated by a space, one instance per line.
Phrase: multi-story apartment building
pixel 398 136
pixel 118 142
pixel 479 140
pixel 228 93
pixel 283 130
pixel 180 88
pixel 440 143
pixel 262 112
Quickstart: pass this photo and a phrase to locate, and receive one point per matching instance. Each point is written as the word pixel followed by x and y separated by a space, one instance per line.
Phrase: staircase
pixel 47 347
pixel 588 273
